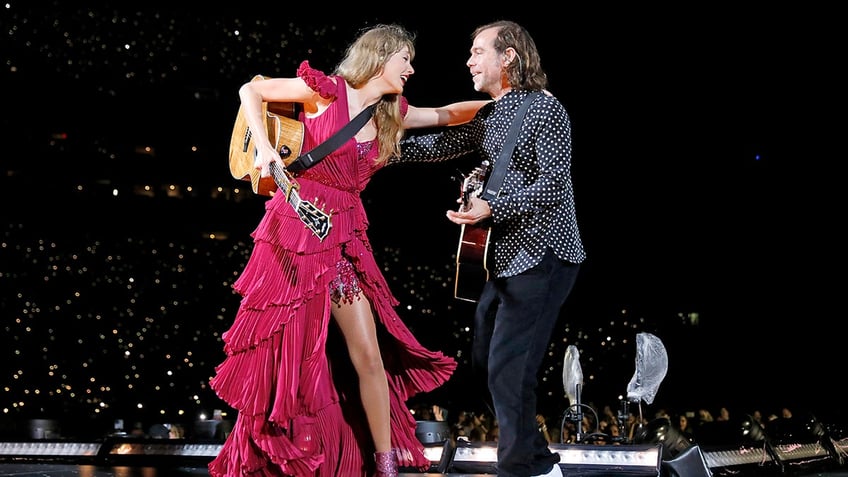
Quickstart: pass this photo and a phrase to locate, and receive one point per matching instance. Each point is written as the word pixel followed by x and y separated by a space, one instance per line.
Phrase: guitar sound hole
pixel 285 152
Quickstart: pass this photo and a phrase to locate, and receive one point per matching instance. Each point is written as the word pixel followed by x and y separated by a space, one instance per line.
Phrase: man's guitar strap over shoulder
pixel 493 185
pixel 305 161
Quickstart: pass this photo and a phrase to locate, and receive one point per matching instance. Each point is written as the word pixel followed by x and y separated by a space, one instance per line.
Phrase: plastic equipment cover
pixel 572 374
pixel 651 367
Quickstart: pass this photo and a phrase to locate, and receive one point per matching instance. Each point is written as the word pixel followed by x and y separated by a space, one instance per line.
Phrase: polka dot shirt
pixel 534 210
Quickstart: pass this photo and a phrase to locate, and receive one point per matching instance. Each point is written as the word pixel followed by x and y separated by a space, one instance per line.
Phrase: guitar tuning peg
pixel 324 207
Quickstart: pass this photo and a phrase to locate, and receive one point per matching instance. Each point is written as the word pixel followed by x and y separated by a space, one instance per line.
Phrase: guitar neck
pixel 315 218
pixel 285 185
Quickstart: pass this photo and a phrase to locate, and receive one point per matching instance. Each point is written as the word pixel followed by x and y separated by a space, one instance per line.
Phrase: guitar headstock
pixel 473 183
pixel 316 220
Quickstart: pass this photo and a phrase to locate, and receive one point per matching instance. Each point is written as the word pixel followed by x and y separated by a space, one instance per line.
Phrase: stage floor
pixel 72 470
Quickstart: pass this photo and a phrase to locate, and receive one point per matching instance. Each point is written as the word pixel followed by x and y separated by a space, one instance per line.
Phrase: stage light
pixel 43 429
pixel 800 441
pixel 838 436
pixel 751 429
pixel 160 452
pixel 660 431
pixel 475 458
pixel 438 446
pixel 605 460
pixel 114 451
pixel 680 457
pixel 735 446
pixel 582 459
pixel 432 432
pixel 54 450
pixel 164 448
pixel 732 458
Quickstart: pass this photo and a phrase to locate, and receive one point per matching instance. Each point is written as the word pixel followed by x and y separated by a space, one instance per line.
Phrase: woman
pixel 316 311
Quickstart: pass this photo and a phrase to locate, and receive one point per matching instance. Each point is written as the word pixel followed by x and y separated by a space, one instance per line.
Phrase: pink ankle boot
pixel 386 464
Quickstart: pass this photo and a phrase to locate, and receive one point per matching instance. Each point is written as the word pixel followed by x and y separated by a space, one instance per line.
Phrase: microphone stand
pixel 623 414
pixel 578 416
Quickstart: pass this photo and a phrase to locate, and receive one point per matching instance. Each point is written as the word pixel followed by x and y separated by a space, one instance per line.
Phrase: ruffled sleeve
pixel 317 80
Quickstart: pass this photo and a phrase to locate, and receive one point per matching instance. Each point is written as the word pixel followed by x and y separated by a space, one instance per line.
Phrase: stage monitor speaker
pixel 689 463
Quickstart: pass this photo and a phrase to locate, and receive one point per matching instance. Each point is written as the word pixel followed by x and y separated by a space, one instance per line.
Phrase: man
pixel 535 248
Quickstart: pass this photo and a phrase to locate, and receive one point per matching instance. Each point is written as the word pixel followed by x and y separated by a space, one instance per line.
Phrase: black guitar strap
pixel 493 185
pixel 305 161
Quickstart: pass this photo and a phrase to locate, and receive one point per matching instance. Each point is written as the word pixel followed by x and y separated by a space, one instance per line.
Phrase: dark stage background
pixel 704 165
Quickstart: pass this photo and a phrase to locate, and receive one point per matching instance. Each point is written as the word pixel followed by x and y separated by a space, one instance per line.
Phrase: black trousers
pixel 513 324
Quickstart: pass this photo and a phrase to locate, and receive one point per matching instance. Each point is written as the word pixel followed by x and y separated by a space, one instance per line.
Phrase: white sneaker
pixel 554 472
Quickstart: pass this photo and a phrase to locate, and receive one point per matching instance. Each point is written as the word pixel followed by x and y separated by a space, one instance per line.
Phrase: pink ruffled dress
pixel 287 372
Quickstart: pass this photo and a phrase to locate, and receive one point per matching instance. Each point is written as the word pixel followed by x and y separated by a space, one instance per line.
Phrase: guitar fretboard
pixel 285 185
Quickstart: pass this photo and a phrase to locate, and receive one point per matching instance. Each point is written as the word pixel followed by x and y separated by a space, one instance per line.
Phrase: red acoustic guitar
pixel 472 270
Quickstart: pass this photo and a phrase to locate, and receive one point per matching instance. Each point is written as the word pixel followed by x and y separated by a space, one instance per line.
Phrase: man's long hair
pixel 526 73
pixel 364 59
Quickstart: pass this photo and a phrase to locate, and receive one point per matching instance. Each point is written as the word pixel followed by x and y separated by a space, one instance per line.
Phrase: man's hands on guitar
pixel 477 210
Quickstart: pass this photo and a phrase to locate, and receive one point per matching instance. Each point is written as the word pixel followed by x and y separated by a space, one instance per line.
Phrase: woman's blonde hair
pixel 364 59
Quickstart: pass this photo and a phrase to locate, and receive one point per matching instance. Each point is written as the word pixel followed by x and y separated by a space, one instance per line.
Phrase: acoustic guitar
pixel 472 270
pixel 286 134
